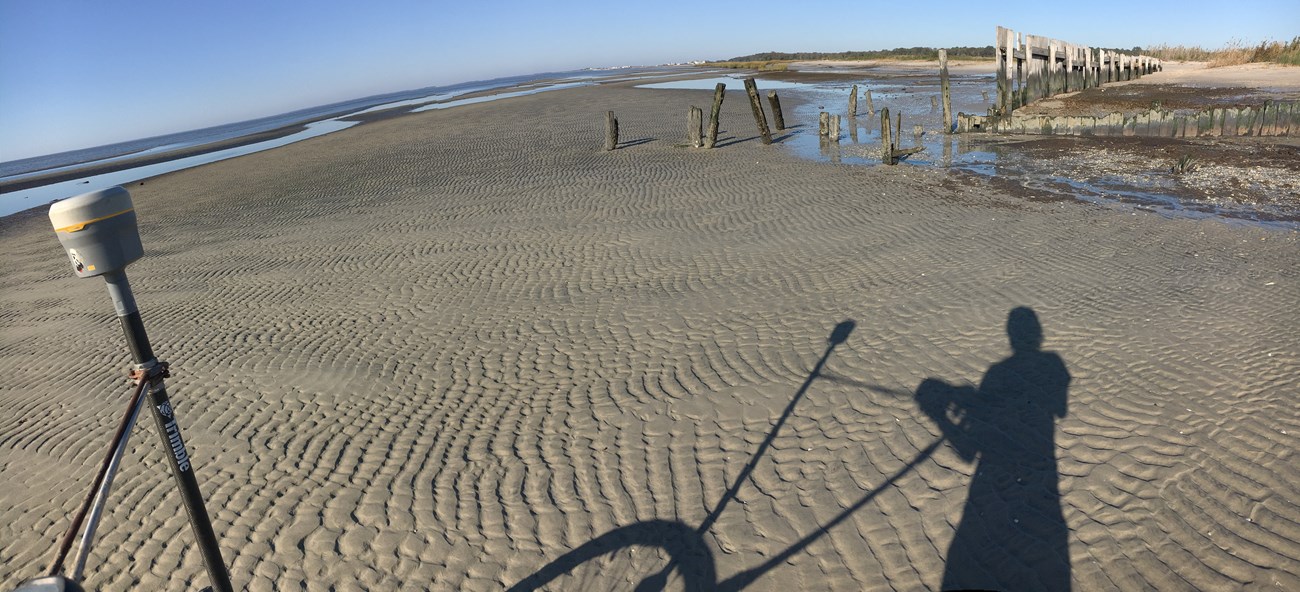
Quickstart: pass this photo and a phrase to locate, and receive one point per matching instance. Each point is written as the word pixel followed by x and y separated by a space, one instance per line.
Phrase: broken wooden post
pixel 934 103
pixel 719 92
pixel 886 143
pixel 695 127
pixel 853 101
pixel 823 124
pixel 611 131
pixel 898 129
pixel 760 119
pixel 945 91
pixel 777 117
pixel 985 95
pixel 871 109
pixel 834 131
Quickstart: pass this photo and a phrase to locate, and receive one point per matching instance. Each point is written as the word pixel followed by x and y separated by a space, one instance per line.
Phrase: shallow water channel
pixel 1076 171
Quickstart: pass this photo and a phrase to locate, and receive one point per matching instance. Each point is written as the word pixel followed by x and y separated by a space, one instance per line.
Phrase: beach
pixel 466 349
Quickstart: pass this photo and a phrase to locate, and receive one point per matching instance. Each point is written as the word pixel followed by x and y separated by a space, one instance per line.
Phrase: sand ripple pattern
pixel 442 351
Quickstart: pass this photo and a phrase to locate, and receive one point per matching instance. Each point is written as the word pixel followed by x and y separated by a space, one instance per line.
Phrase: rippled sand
pixel 467 350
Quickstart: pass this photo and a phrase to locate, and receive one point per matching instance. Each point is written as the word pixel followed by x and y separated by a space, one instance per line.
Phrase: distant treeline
pixel 899 53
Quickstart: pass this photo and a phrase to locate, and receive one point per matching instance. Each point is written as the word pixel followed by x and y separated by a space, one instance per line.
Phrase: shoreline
pixel 39 180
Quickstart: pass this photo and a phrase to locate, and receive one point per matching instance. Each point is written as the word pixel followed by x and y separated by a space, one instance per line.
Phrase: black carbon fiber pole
pixel 169 430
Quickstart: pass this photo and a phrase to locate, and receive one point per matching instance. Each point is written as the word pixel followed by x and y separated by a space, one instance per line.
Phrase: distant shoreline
pixel 128 163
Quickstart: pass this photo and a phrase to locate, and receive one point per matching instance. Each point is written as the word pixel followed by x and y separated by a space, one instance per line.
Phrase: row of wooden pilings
pixel 696 136
pixel 1030 67
pixel 828 125
pixel 891 150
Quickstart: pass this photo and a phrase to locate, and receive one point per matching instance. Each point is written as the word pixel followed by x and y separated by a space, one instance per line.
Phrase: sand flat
pixel 467 350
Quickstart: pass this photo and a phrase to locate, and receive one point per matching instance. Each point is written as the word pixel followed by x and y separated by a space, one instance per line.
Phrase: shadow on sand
pixel 1012 534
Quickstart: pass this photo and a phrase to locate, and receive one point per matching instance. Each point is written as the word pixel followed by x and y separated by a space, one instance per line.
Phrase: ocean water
pixel 320 120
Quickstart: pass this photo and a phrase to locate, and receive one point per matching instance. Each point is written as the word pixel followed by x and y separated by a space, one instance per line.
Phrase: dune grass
pixel 1234 53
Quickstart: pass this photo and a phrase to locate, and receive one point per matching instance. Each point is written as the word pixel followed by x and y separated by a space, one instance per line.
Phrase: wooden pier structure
pixel 1030 67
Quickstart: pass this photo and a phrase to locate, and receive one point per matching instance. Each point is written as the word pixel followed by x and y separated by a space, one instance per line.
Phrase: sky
pixel 77 74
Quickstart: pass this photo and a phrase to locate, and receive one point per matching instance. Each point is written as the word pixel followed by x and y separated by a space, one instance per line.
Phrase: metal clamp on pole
pixel 98 231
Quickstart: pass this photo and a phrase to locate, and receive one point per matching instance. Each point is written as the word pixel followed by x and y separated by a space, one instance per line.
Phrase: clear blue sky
pixel 75 74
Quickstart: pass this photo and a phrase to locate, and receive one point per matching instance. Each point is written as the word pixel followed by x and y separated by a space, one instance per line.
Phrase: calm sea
pixel 324 119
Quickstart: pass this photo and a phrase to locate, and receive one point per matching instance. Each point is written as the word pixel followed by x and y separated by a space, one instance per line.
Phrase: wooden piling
pixel 611 131
pixel 695 127
pixel 777 116
pixel 835 128
pixel 1003 56
pixel 871 109
pixel 719 92
pixel 886 143
pixel 945 91
pixel 853 101
pixel 760 120
pixel 934 103
pixel 823 124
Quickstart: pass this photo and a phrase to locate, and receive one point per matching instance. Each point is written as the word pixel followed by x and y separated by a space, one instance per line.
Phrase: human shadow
pixel 1012 534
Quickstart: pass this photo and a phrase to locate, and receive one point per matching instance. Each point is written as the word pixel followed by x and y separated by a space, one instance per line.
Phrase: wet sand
pixel 467 350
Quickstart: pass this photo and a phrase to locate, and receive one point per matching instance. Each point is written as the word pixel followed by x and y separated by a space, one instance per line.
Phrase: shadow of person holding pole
pixel 1012 534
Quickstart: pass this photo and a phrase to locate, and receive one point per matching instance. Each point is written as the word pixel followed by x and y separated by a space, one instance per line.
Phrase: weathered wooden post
pixel 835 128
pixel 759 118
pixel 934 103
pixel 886 143
pixel 823 124
pixel 853 101
pixel 719 92
pixel 898 129
pixel 1005 56
pixel 611 131
pixel 945 91
pixel 777 117
pixel 985 95
pixel 695 127
pixel 871 108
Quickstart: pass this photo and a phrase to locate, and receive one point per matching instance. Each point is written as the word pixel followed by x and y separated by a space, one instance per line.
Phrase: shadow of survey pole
pixel 98 231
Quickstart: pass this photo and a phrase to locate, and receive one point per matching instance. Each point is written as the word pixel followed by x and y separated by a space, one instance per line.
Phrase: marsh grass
pixel 1234 53
pixel 1185 164
pixel 760 65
